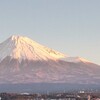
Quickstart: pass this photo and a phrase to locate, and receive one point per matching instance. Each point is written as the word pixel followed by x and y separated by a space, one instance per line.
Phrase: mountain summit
pixel 22 48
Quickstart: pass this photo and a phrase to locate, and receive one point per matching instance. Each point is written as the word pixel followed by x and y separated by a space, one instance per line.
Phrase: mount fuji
pixel 24 61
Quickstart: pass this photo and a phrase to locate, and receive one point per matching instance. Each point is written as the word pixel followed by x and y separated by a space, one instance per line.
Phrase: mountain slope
pixel 76 59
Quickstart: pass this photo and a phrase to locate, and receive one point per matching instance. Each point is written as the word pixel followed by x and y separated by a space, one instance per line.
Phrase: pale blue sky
pixel 69 26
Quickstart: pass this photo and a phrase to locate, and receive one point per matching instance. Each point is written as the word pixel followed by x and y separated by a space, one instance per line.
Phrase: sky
pixel 69 26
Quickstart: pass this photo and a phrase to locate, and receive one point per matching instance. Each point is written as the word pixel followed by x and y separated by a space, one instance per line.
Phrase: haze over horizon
pixel 71 27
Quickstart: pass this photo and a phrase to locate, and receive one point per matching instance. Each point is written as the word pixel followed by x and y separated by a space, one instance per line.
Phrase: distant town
pixel 75 95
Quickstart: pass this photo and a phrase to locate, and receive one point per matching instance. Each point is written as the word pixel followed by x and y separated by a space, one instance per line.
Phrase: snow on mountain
pixel 19 47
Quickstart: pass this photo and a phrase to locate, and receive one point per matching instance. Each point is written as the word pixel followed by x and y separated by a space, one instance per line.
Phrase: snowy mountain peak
pixel 20 47
pixel 15 37
pixel 20 39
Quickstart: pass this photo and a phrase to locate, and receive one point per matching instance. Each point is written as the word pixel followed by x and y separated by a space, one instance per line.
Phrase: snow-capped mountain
pixel 23 48
pixel 23 60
